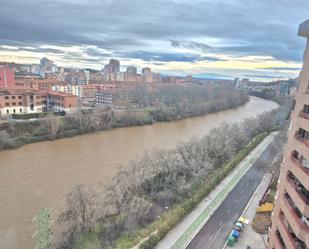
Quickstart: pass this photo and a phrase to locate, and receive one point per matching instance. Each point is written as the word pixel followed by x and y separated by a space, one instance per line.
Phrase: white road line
pixel 229 211
pixel 220 224
pixel 211 236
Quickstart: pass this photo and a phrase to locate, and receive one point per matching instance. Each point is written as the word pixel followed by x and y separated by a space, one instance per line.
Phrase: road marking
pixel 211 236
pixel 242 192
pixel 236 200
pixel 220 224
pixel 229 211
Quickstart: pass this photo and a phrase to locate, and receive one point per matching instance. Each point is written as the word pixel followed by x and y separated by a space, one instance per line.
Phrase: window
pixel 7 104
pixel 20 103
pixel 7 111
pixel 13 97
pixel 6 97
pixel 306 108
pixel 20 110
pixel 14 111
pixel 14 103
pixel 19 97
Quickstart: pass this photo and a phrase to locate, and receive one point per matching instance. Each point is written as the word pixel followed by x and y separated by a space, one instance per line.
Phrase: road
pixel 214 233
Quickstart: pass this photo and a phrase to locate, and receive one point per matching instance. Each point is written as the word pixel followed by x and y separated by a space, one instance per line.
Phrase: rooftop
pixel 304 29
pixel 17 91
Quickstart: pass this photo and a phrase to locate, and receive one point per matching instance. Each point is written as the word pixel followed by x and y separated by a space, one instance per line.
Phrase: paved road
pixel 214 233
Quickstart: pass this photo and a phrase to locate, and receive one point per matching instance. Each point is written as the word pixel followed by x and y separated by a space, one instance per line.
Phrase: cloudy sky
pixel 206 38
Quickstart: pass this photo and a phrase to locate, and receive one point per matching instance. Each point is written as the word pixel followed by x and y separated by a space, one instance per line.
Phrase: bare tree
pixel 54 124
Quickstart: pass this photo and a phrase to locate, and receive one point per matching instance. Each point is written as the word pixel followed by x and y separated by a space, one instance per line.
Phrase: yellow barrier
pixel 267 207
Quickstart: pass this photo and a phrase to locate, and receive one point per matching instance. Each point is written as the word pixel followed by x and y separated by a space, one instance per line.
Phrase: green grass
pixel 87 241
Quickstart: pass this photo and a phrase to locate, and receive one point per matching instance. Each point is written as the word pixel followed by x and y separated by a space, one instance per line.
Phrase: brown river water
pixel 39 175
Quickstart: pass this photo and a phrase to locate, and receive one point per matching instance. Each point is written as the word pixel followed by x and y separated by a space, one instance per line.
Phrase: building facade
pixel 290 219
pixel 15 101
pixel 147 75
pixel 104 98
pixel 18 101
pixel 57 101
pixel 7 78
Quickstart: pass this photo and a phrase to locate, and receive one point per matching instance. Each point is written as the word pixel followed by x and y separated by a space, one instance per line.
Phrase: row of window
pixel 55 97
pixel 14 103
pixel 14 111
pixel 13 97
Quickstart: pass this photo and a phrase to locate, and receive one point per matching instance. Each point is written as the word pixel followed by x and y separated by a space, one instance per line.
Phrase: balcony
pixel 300 161
pixel 285 233
pixel 294 217
pixel 304 115
pixel 297 198
pixel 301 139
pixel 278 241
pixel 291 240
pixel 301 191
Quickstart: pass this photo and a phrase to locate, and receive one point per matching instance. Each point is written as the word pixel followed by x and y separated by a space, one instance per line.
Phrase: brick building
pixel 290 220
pixel 14 101
pixel 7 78
pixel 17 101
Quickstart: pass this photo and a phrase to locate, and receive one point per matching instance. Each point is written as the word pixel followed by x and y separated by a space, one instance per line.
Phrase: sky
pixel 208 38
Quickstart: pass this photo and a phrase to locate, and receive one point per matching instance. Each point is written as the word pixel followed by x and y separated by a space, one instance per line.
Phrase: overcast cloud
pixel 173 36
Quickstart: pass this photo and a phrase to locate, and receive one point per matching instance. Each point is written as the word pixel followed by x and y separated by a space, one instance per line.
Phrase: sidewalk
pixel 184 232
pixel 248 236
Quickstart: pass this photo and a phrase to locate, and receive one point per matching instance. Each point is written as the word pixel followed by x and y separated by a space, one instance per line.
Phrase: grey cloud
pixel 190 44
pixel 167 57
pixel 264 27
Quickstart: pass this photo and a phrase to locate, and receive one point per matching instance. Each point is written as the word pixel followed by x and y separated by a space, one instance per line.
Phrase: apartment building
pixel 18 101
pixel 58 101
pixel 104 98
pixel 15 101
pixel 290 220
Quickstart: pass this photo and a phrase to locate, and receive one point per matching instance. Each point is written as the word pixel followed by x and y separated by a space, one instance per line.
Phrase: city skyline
pixel 211 39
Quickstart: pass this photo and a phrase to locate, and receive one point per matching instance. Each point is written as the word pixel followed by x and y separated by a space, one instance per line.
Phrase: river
pixel 39 175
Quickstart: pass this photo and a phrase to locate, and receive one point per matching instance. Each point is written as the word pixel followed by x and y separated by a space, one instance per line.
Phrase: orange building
pixel 13 101
pixel 57 101
pixel 17 101
pixel 290 220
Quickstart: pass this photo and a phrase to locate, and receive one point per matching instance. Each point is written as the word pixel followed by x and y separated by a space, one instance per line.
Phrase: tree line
pixel 165 103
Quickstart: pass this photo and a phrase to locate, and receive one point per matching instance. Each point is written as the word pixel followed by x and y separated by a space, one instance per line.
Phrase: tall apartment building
pixel 290 220
pixel 148 75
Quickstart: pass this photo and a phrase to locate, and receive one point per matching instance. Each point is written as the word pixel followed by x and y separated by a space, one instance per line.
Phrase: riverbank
pixel 46 171
pixel 14 134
